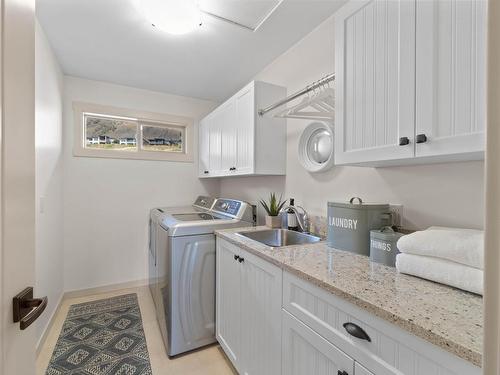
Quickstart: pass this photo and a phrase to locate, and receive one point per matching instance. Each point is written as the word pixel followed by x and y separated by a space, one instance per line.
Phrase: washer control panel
pixel 227 206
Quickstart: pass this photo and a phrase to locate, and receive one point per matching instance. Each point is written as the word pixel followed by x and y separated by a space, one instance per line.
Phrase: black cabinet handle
pixel 232 168
pixel 421 138
pixel 241 260
pixel 236 257
pixel 356 331
pixel 206 172
pixel 342 372
pixel 403 141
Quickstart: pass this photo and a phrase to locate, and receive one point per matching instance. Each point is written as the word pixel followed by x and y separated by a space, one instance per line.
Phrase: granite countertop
pixel 447 317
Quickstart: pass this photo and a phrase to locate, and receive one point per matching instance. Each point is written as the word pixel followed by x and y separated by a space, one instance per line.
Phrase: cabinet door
pixel 204 148
pixel 228 301
pixel 306 352
pixel 214 143
pixel 245 131
pixel 375 81
pixel 261 316
pixel 360 370
pixel 226 116
pixel 451 76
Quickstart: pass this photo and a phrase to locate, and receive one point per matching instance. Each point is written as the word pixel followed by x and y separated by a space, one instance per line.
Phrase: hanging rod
pixel 305 90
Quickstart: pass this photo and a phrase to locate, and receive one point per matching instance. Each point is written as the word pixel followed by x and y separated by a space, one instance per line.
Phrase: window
pixel 120 133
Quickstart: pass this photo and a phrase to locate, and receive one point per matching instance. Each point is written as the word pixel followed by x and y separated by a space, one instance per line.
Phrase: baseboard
pixel 48 326
pixel 83 293
pixel 104 289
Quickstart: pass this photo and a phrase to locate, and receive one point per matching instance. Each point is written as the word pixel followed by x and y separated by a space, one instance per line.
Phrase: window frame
pixel 143 118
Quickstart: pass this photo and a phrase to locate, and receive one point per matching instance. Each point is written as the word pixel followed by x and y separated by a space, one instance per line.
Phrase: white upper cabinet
pixel 235 140
pixel 410 81
pixel 245 110
pixel 204 150
pixel 451 77
pixel 375 80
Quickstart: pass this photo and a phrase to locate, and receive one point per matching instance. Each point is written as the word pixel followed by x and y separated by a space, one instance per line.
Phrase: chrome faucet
pixel 302 218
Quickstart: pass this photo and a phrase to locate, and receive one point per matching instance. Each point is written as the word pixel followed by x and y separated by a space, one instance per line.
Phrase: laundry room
pixel 250 187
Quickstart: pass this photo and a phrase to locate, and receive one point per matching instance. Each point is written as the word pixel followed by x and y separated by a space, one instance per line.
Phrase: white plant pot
pixel 273 221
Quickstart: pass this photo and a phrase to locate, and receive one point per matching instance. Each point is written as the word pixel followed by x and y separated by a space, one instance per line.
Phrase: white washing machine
pixel 182 268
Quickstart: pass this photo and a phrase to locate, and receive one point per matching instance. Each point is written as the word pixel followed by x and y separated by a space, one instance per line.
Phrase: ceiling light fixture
pixel 173 16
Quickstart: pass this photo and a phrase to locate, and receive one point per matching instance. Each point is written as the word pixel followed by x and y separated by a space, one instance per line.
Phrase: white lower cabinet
pixel 389 350
pixel 360 370
pixel 228 301
pixel 270 322
pixel 307 353
pixel 249 292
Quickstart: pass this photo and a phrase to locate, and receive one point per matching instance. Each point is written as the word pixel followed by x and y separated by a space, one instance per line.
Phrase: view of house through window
pixel 122 134
pixel 161 138
pixel 110 133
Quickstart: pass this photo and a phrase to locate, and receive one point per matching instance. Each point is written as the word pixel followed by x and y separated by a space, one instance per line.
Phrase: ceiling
pixel 110 40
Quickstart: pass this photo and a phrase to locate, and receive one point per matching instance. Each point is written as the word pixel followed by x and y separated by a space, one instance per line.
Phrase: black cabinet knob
pixel 232 168
pixel 206 172
pixel 236 257
pixel 403 141
pixel 421 138
pixel 241 260
pixel 356 331
pixel 342 372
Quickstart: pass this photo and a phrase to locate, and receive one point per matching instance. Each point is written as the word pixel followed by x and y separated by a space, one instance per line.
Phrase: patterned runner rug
pixel 103 337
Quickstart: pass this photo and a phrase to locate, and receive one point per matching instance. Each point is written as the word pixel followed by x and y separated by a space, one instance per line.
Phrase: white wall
pixel 107 201
pixel 443 194
pixel 49 177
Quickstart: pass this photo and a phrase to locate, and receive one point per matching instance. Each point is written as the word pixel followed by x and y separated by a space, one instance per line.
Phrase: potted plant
pixel 273 208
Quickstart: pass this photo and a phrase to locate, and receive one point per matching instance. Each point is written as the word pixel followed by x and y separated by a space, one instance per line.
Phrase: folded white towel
pixel 465 246
pixel 441 271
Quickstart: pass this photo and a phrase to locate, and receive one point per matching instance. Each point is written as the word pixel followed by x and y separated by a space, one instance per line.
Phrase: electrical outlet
pixel 398 215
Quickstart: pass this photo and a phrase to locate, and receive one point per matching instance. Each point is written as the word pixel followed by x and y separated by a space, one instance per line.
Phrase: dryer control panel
pixel 204 202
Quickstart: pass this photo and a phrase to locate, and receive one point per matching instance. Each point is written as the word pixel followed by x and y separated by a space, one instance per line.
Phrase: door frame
pixel 491 361
pixel 17 178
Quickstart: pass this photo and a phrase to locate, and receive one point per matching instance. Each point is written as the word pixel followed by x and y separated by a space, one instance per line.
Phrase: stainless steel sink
pixel 280 237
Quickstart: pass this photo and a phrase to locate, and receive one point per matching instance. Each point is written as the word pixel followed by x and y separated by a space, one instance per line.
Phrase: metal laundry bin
pixel 349 224
pixel 383 246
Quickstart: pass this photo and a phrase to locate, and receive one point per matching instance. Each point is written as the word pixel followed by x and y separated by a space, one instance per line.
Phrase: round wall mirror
pixel 316 147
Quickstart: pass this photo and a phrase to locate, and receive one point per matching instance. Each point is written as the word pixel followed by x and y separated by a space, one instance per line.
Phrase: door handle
pixel 27 309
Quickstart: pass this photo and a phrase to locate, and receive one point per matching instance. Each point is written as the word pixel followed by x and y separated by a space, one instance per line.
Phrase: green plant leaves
pixel 274 205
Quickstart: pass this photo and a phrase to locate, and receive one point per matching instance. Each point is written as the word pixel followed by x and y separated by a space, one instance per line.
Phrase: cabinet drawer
pixel 390 349
pixel 306 352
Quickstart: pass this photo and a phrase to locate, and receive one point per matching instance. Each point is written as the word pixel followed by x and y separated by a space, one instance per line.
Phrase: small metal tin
pixel 383 246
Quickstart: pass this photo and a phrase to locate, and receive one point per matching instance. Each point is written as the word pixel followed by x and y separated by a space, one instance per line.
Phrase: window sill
pixel 142 155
